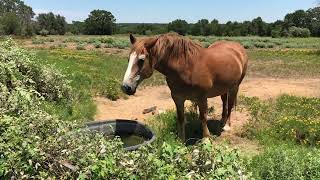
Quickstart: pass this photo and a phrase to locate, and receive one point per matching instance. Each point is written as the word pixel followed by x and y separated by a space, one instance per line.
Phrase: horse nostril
pixel 126 88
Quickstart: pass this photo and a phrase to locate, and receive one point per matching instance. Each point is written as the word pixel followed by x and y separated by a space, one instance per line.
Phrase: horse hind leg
pixel 224 114
pixel 232 98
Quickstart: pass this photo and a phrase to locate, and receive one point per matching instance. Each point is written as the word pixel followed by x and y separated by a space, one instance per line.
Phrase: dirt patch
pixel 159 96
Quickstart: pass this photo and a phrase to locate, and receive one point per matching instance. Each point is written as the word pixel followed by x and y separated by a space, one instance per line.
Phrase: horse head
pixel 141 64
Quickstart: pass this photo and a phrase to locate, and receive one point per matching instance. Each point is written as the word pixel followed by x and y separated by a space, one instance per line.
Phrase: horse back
pixel 225 63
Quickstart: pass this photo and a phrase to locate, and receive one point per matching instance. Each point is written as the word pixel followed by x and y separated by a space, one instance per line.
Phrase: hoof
pixel 226 128
pixel 206 140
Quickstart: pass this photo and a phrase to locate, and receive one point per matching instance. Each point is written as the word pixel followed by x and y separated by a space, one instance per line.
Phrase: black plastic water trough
pixel 124 128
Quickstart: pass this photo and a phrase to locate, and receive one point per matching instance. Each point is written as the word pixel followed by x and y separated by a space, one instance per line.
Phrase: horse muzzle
pixel 128 89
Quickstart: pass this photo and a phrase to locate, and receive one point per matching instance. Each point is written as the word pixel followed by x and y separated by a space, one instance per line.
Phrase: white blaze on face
pixel 132 61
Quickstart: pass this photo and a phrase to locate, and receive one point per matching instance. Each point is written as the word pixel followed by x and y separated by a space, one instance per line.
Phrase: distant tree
pixel 215 28
pixel 10 24
pixel 179 26
pixel 100 22
pixel 55 24
pixel 202 27
pixel 245 28
pixel 144 29
pixel 298 18
pixel 16 17
pixel 76 27
pixel 314 25
pixel 258 27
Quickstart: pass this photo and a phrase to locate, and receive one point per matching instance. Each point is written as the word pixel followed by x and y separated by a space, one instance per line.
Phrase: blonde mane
pixel 175 47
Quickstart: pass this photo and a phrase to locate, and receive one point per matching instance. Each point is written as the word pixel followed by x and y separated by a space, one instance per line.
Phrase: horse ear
pixel 132 39
pixel 150 43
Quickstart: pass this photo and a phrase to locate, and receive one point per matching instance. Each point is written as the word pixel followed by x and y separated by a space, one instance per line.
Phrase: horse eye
pixel 140 63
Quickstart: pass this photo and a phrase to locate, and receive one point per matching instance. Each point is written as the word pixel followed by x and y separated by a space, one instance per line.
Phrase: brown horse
pixel 192 72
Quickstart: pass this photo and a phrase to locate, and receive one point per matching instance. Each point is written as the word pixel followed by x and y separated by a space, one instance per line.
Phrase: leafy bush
pixel 81 46
pixel 71 39
pixel 276 33
pixel 112 89
pixel 289 118
pixel 299 32
pixel 121 44
pixel 260 45
pixel 287 163
pixel 97 44
pixel 247 45
pixel 38 41
pixel 44 32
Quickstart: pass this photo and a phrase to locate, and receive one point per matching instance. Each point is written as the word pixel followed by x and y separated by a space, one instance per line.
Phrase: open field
pixel 122 42
pixel 270 130
pixel 97 68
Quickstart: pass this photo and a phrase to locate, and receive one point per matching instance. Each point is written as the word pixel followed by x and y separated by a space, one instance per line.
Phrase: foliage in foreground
pixel 289 118
pixel 287 162
pixel 289 129
pixel 37 144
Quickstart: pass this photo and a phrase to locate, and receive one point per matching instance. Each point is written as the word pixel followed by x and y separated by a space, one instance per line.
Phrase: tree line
pixel 19 19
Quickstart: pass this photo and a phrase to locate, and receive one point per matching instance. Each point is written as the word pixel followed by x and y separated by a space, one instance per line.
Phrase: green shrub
pixel 38 41
pixel 44 32
pixel 81 46
pixel 286 163
pixel 106 40
pixel 61 45
pixel 260 45
pixel 299 32
pixel 91 41
pixel 289 119
pixel 247 45
pixel 97 44
pixel 71 39
pixel 112 89
pixel 50 40
pixel 121 44
pixel 275 33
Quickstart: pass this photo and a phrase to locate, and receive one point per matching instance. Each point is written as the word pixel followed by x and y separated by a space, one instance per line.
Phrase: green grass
pixel 284 63
pixel 265 42
pixel 103 74
pixel 92 70
pixel 288 129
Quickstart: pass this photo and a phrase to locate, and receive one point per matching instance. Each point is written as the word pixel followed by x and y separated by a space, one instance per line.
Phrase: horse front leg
pixel 203 108
pixel 179 102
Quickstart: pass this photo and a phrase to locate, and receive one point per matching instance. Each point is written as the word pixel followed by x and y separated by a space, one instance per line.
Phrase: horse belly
pixel 217 91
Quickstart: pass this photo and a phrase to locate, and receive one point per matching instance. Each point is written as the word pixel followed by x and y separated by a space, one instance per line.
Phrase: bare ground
pixel 159 96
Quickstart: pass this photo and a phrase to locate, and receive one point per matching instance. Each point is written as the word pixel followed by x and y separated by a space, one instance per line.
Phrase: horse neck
pixel 171 66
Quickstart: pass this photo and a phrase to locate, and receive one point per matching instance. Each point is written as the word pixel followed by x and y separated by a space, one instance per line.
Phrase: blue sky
pixel 163 11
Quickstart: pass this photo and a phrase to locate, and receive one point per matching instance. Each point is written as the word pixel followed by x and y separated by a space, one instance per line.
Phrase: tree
pixel 258 27
pixel 16 17
pixel 202 27
pixel 76 27
pixel 144 29
pixel 100 22
pixel 10 24
pixel 179 26
pixel 215 28
pixel 298 18
pixel 55 24
pixel 314 25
